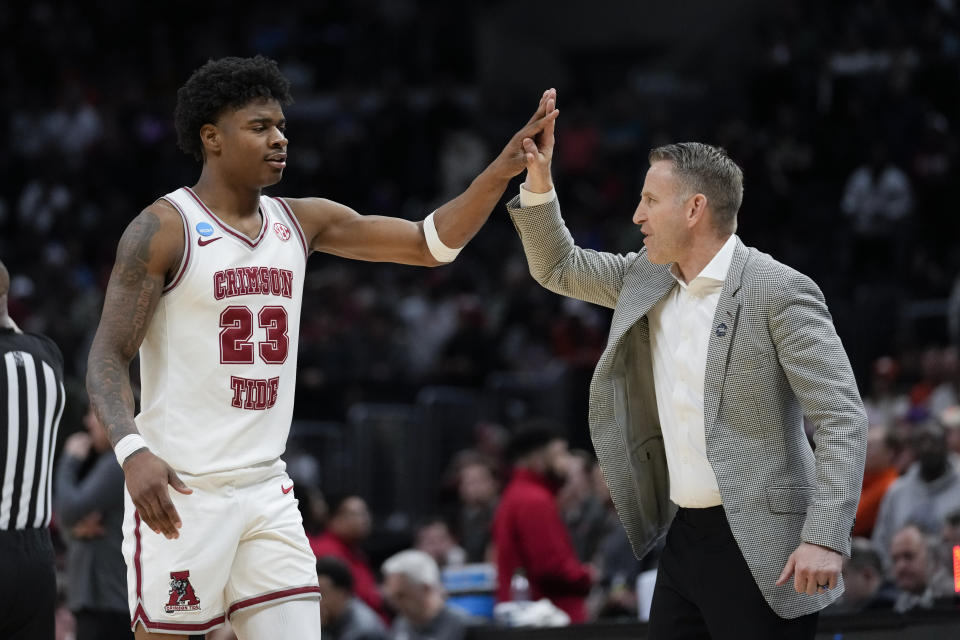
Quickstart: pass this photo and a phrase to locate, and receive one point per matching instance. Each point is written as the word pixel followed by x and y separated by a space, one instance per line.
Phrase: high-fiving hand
pixel 538 149
pixel 513 159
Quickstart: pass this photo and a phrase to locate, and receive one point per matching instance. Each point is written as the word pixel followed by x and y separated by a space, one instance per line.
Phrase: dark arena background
pixel 844 117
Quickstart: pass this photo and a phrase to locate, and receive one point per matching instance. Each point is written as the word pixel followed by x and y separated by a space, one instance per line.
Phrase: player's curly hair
pixel 227 83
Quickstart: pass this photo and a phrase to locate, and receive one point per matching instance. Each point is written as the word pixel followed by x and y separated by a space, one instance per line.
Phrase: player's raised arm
pixel 338 229
pixel 150 248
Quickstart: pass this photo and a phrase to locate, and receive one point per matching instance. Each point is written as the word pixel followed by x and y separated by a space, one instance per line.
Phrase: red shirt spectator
pixel 349 525
pixel 529 534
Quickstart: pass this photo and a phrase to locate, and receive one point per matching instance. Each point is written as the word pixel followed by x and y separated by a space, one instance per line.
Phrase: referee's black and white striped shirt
pixel 31 403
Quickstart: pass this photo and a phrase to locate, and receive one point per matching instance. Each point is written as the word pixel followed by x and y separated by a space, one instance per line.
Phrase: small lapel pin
pixel 721 330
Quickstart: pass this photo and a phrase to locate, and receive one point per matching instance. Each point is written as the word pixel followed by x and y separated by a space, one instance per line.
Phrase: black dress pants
pixel 705 590
pixel 28 585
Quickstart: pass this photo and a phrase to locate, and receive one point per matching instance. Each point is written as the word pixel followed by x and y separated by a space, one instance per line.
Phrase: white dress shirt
pixel 680 327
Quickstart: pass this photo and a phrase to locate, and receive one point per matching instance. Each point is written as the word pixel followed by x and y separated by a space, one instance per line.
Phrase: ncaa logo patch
pixel 205 229
pixel 182 596
pixel 282 231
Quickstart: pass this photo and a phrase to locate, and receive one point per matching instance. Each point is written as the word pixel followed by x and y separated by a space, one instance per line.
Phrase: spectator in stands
pixel 617 565
pixel 953 312
pixel 931 377
pixel 344 616
pixel 583 513
pixel 89 506
pixel 348 526
pixel 885 404
pixel 948 553
pixel 478 492
pixel 877 194
pixel 411 584
pixel 914 571
pixel 528 532
pixel 880 472
pixel 867 586
pixel 949 418
pixel 925 495
pixel 878 199
pixel 947 393
pixel 951 529
pixel 434 538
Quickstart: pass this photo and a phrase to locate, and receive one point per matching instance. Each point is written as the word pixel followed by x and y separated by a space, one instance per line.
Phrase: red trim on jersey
pixel 136 556
pixel 236 234
pixel 267 597
pixel 295 223
pixel 140 615
pixel 149 625
pixel 186 255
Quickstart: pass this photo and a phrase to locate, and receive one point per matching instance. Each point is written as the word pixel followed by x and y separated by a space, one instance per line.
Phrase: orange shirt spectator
pixel 880 472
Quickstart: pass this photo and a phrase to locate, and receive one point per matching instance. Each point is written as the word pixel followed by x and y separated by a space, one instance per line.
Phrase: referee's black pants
pixel 28 585
pixel 705 590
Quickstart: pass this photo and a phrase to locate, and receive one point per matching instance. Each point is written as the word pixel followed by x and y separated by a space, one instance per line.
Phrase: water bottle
pixel 519 586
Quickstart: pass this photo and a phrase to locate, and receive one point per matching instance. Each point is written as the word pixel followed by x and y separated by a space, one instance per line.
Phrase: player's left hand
pixel 513 159
pixel 815 569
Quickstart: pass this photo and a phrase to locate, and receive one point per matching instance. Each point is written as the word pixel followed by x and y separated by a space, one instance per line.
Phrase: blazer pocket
pixel 747 363
pixel 789 499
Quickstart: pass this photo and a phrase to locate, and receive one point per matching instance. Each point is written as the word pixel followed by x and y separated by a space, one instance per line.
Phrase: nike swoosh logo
pixel 203 243
pixel 286 490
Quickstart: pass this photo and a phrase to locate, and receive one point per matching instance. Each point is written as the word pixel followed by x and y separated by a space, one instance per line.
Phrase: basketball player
pixel 207 285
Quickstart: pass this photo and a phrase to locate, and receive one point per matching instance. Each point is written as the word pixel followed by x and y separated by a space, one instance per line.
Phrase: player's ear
pixel 210 138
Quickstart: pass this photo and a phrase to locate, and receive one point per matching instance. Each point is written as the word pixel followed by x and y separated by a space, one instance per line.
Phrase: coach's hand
pixel 513 159
pixel 815 569
pixel 538 151
pixel 147 478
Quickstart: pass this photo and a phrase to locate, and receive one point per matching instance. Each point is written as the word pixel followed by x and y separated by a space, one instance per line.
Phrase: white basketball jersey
pixel 218 363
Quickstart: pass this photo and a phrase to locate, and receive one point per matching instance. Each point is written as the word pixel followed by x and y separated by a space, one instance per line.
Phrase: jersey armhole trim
pixel 185 259
pixel 295 223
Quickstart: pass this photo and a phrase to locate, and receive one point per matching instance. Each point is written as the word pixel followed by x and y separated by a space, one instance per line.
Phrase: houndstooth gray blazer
pixel 773 357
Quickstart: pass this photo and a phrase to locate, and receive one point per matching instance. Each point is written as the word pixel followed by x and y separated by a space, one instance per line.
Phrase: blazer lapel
pixel 648 288
pixel 721 336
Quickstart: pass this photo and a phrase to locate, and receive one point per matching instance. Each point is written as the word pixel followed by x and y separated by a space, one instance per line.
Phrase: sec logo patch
pixel 282 231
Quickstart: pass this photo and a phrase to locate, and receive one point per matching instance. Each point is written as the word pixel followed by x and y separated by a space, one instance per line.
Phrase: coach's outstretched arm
pixel 335 228
pixel 151 246
pixel 554 260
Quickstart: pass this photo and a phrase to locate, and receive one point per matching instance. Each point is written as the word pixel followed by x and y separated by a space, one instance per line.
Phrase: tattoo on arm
pixel 131 299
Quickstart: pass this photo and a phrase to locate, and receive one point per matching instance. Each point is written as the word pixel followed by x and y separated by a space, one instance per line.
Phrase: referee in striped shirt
pixel 31 403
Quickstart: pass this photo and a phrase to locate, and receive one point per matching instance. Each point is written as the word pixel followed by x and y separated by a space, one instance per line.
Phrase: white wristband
pixel 127 445
pixel 438 250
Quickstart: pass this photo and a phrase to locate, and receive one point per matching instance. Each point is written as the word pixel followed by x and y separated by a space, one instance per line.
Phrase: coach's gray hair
pixel 417 566
pixel 702 168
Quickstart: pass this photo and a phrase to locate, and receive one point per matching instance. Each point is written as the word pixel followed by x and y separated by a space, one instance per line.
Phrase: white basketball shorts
pixel 241 545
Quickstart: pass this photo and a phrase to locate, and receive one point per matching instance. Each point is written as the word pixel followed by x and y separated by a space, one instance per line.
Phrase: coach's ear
pixel 695 209
pixel 210 139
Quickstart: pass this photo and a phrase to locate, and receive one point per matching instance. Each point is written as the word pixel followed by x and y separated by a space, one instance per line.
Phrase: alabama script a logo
pixel 182 596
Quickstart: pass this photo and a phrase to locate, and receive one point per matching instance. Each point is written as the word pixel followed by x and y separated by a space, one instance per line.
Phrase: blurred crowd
pixel 523 519
pixel 906 551
pixel 844 120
